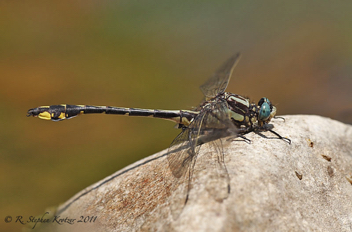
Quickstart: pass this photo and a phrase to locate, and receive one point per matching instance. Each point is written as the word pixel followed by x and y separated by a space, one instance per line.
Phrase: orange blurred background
pixel 149 54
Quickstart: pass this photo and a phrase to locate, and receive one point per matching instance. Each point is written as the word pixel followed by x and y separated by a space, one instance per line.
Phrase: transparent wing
pixel 182 156
pixel 181 152
pixel 212 123
pixel 185 147
pixel 220 79
pixel 218 180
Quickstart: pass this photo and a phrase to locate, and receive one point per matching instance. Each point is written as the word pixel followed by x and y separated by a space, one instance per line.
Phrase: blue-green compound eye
pixel 265 109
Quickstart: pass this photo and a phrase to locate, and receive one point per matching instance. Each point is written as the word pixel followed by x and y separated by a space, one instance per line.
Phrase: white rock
pixel 275 186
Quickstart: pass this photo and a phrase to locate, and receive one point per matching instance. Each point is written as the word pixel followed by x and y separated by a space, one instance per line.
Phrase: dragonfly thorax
pixel 244 113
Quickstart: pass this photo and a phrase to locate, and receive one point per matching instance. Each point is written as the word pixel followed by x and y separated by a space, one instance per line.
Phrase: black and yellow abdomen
pixel 64 111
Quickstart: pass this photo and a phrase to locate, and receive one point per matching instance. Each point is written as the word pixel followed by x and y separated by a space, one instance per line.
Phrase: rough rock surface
pixel 274 186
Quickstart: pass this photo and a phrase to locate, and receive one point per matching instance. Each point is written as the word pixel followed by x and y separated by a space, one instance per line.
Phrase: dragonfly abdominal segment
pixel 61 112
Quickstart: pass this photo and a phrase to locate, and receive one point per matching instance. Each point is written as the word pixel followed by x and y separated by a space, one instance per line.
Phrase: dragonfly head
pixel 266 111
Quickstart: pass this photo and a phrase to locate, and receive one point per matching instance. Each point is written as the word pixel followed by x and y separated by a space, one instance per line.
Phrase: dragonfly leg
pixel 278 117
pixel 280 137
pixel 245 139
pixel 233 138
pixel 268 127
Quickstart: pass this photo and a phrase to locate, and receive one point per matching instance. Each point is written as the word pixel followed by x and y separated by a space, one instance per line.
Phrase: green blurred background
pixel 149 54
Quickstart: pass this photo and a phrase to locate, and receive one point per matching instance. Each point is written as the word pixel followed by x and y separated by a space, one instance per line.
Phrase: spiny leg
pixel 280 137
pixel 258 131
pixel 242 131
pixel 233 138
pixel 278 117
pixel 245 139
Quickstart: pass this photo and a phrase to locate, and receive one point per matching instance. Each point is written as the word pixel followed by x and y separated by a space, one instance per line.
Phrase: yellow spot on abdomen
pixel 45 115
pixel 62 115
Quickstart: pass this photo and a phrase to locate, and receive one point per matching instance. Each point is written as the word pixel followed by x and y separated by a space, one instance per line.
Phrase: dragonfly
pixel 220 115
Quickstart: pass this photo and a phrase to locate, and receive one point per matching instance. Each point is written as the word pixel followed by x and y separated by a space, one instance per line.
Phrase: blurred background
pixel 149 54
